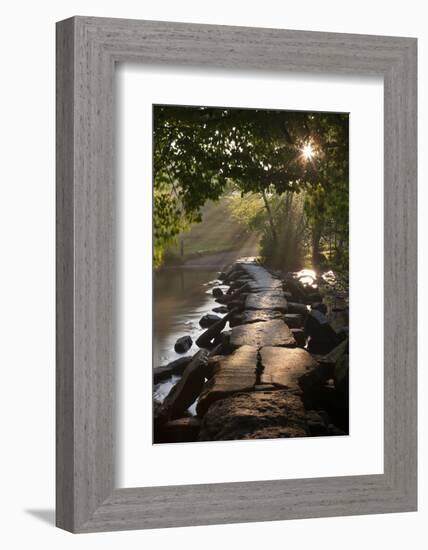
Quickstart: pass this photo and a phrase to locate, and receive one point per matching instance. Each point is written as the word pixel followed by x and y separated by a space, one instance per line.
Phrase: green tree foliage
pixel 286 250
pixel 327 198
pixel 199 151
pixel 248 209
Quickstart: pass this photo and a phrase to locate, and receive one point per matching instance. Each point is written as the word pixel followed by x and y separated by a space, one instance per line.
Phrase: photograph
pixel 211 256
pixel 250 274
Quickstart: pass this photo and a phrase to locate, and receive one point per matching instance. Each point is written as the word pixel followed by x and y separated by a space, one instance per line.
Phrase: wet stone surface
pixel 268 333
pixel 255 415
pixel 258 316
pixel 287 366
pixel 267 300
pixel 232 373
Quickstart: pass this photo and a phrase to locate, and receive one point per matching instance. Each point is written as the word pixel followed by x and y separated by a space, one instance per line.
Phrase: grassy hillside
pixel 217 232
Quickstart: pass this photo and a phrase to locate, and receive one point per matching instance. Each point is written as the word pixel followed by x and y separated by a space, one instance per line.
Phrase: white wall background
pixel 27 271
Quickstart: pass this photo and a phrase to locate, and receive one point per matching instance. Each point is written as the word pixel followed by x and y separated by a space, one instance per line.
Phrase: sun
pixel 308 151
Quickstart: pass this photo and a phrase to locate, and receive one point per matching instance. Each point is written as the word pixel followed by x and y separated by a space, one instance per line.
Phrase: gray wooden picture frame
pixel 87 50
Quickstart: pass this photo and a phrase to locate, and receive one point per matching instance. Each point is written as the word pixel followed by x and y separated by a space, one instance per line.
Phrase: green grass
pixel 217 232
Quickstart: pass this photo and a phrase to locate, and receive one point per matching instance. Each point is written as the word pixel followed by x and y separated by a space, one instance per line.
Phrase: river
pixel 181 297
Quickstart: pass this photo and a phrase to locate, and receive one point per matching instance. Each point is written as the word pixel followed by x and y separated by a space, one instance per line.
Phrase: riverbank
pixel 279 370
pixel 218 240
pixel 218 260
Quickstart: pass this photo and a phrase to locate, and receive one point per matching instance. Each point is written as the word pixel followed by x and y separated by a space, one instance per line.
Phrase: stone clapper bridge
pixel 254 381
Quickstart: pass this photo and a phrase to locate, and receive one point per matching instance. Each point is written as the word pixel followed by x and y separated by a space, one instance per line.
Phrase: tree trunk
pixel 316 236
pixel 270 217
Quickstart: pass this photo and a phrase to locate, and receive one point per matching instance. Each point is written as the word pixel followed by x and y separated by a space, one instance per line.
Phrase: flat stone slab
pixel 255 271
pixel 259 274
pixel 255 415
pixel 233 373
pixel 258 335
pixel 256 316
pixel 288 367
pixel 267 300
pixel 271 285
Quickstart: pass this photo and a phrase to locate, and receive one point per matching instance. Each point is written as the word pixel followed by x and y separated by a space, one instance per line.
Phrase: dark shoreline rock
pixel 187 389
pixel 299 336
pixel 294 320
pixel 295 307
pixel 175 367
pixel 220 309
pixel 323 338
pixel 217 292
pixel 181 430
pixel 208 320
pixel 183 344
pixel 320 306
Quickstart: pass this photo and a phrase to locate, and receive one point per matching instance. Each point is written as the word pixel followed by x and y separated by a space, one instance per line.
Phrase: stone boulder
pixel 217 292
pixel 342 333
pixel 222 342
pixel 336 353
pixel 319 306
pixel 295 287
pixel 233 373
pixel 175 367
pixel 234 274
pixel 206 338
pixel 181 430
pixel 255 415
pixel 183 344
pixel 238 284
pixel 220 309
pixel 341 375
pixel 299 336
pixel 317 424
pixel 188 388
pixel 334 430
pixel 294 320
pixel 323 338
pixel 313 297
pixel 208 320
pixel 339 318
pixel 294 307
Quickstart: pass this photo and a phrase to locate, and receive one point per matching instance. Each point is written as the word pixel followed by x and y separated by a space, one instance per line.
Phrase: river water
pixel 181 297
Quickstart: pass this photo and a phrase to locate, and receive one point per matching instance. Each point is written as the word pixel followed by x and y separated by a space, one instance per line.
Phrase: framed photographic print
pixel 236 274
